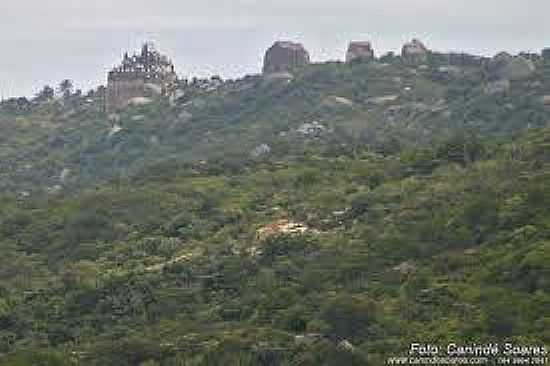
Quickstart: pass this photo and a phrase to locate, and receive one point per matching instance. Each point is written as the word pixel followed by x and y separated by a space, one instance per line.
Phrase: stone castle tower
pixel 145 75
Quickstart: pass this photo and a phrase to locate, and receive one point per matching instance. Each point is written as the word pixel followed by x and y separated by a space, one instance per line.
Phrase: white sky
pixel 48 40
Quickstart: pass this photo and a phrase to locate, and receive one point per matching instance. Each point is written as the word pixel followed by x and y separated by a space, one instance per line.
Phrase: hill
pixel 328 220
pixel 318 261
pixel 387 104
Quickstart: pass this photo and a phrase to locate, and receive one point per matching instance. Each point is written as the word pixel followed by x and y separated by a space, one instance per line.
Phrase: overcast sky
pixel 48 40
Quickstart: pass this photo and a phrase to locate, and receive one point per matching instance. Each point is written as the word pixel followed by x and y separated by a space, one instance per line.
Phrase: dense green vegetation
pixel 422 217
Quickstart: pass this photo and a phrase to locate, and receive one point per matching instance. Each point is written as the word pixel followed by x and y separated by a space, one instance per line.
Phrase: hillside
pixel 331 219
pixel 172 269
pixel 387 105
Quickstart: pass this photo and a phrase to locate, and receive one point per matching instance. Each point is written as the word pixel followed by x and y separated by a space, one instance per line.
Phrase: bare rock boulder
pixel 406 268
pixel 360 51
pixel 260 150
pixel 284 56
pixel 506 66
pixel 415 52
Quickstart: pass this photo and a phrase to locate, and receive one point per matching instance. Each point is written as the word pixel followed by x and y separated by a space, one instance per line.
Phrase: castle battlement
pixel 135 75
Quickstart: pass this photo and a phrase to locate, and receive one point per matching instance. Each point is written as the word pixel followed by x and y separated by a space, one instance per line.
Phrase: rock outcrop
pixel 279 76
pixel 65 173
pixel 284 56
pixel 385 99
pixel 415 52
pixel 114 130
pixel 311 129
pixel 507 67
pixel 501 86
pixel 260 150
pixel 406 268
pixel 336 101
pixel 359 51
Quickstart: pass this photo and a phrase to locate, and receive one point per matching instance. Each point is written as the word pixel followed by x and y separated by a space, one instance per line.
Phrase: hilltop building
pixel 284 56
pixel 415 52
pixel 140 77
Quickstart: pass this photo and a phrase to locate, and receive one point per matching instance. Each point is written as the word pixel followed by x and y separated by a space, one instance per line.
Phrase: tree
pixel 389 58
pixel 16 105
pixel 348 317
pixel 47 93
pixel 65 88
pixel 463 148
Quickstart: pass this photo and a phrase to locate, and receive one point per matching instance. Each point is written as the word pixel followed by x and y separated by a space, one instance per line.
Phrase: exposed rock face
pixel 260 150
pixel 148 74
pixel 279 76
pixel 307 339
pixel 360 51
pixel 311 129
pixel 284 56
pixel 114 130
pixel 282 226
pixel 505 66
pixel 139 101
pixel 498 87
pixel 415 52
pixel 64 175
pixel 346 345
pixel 406 268
pixel 383 99
pixel 336 101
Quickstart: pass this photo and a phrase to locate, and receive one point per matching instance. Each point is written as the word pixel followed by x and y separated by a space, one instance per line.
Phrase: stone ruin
pixel 284 56
pixel 147 75
pixel 359 51
pixel 415 52
pixel 140 77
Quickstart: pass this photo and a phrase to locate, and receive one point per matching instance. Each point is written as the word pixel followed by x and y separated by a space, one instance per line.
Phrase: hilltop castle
pixel 142 77
pixel 145 75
